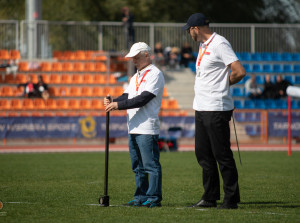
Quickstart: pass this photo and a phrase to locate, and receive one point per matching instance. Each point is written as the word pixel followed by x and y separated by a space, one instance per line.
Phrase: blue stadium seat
pixel 238 104
pixel 281 104
pixel 297 68
pixel 289 78
pixel 287 68
pixel 247 68
pixel 297 80
pixel 276 57
pixel 249 104
pixel 266 56
pixel 270 104
pixel 260 79
pixel 252 130
pixel 256 68
pixel 237 92
pixel 277 68
pixel 192 66
pixel 252 117
pixel 245 56
pixel 296 56
pixel 286 57
pixel 259 104
pixel 256 57
pixel 238 56
pixel 267 68
pixel 239 116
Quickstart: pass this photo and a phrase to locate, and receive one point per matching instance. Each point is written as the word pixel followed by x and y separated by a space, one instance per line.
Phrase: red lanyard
pixel 139 84
pixel 201 55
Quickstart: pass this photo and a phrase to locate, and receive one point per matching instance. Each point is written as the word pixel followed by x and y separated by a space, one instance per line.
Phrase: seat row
pixel 275 68
pixel 9 54
pixel 267 56
pixel 28 104
pixel 64 78
pixel 266 104
pixel 80 55
pixel 260 79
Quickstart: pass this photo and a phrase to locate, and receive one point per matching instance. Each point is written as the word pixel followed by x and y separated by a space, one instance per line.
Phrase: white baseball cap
pixel 138 47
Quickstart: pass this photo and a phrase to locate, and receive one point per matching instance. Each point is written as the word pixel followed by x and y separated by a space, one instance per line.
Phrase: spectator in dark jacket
pixel 281 86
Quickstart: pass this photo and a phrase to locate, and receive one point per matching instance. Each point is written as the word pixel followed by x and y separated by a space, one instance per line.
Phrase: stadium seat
pixel 88 79
pixel 239 116
pixel 9 78
pixel 78 67
pixel 86 91
pixel 108 90
pixel 4 104
pixel 296 56
pixel 23 66
pixel 256 57
pixel 53 91
pixel 97 92
pixel 75 91
pixel 245 56
pixel 97 104
pixel 68 55
pixel 267 68
pixel 276 56
pixel 281 104
pixel 66 79
pixel 16 104
pixel 27 104
pixel 259 79
pixel 61 104
pixel 247 68
pixel 73 104
pixel 237 54
pixel 100 67
pixel 63 91
pixel 89 67
pixel 79 55
pixel 287 68
pixel 4 55
pixel 252 130
pixel 238 104
pixel 252 116
pixel 67 66
pixel 270 104
pixel 57 54
pixel 56 66
pixel 289 78
pixel 46 66
pixel 256 68
pixel 237 92
pixel 297 68
pixel 259 104
pixel 84 104
pixel 15 54
pixel 249 104
pixel 50 104
pixel 99 79
pixel 297 80
pixel 46 78
pixel 277 68
pixel 118 91
pixel 111 79
pixel 6 91
pixel 265 56
pixel 39 104
pixel 286 57
pixel 54 78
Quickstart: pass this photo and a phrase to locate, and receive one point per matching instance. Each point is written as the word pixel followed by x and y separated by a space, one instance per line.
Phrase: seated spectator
pixel 159 57
pixel 252 90
pixel 269 88
pixel 186 54
pixel 41 88
pixel 173 57
pixel 29 90
pixel 281 86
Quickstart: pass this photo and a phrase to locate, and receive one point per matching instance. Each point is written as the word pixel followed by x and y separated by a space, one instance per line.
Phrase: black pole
pixel 104 200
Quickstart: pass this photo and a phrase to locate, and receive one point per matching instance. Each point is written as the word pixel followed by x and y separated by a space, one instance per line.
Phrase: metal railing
pixel 38 39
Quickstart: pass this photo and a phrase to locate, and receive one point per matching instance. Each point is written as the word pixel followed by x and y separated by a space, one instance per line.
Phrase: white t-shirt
pixel 144 120
pixel 212 91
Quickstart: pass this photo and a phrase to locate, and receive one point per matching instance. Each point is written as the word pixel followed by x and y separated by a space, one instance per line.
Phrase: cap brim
pixel 186 27
pixel 131 54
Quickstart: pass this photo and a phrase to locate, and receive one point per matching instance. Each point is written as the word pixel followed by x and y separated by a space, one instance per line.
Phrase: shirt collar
pixel 144 69
pixel 207 41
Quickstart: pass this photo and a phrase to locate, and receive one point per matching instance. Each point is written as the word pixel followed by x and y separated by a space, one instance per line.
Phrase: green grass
pixel 58 187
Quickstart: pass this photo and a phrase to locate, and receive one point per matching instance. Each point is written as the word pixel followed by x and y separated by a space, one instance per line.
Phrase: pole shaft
pixel 289 126
pixel 106 153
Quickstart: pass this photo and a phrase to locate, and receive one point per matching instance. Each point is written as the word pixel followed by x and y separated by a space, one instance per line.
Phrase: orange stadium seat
pixel 79 55
pixel 61 104
pixel 20 79
pixel 23 66
pixel 39 104
pixel 97 104
pixel 108 91
pixel 66 78
pixel 111 79
pixel 67 66
pixel 100 67
pixel 34 78
pixel 13 114
pixel 73 104
pixel 46 66
pixel 15 55
pixel 99 79
pixel 84 104
pixel 6 91
pixel 53 91
pixel 100 55
pixel 4 104
pixel 60 114
pixel 9 78
pixel 18 91
pixel 50 104
pixel 36 114
pixel 56 66
pixel 4 55
pixel 57 54
pixel 27 104
pixel 76 78
pixel 54 78
pixel 89 66
pixel 97 92
pixel 75 91
pixel 63 91
pixel 88 79
pixel 46 78
pixel 117 91
pixel 78 66
pixel 16 104
pixel 69 55
pixel 86 91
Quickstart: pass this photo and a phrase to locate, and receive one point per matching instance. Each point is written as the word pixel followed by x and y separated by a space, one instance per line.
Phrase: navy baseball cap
pixel 197 19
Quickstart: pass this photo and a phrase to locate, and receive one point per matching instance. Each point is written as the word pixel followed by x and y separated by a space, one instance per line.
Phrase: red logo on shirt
pixel 207 53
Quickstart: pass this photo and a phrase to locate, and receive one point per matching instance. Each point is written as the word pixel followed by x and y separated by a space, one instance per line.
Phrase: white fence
pixel 39 39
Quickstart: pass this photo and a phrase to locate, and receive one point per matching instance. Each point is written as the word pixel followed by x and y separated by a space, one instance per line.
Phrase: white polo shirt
pixel 145 120
pixel 212 91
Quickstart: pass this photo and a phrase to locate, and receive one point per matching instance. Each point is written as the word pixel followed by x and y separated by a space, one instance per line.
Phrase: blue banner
pixel 85 127
pixel 278 124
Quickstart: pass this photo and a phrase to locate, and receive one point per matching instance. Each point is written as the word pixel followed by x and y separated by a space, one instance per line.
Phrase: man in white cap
pixel 217 68
pixel 142 100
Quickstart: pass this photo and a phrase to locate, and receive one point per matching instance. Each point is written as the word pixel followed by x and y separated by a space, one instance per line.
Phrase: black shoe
pixel 132 204
pixel 228 206
pixel 204 204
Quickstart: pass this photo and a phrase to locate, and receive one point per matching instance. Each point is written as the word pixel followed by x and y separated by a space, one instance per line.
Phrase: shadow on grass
pixel 269 204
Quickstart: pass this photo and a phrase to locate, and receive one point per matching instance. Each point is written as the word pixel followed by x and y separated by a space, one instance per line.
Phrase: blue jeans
pixel 144 155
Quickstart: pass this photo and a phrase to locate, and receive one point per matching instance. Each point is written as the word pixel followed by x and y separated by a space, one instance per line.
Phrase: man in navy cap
pixel 217 68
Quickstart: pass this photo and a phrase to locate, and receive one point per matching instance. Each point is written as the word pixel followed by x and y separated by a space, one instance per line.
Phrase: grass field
pixel 62 187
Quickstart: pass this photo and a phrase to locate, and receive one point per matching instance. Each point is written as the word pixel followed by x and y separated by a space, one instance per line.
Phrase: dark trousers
pixel 212 146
